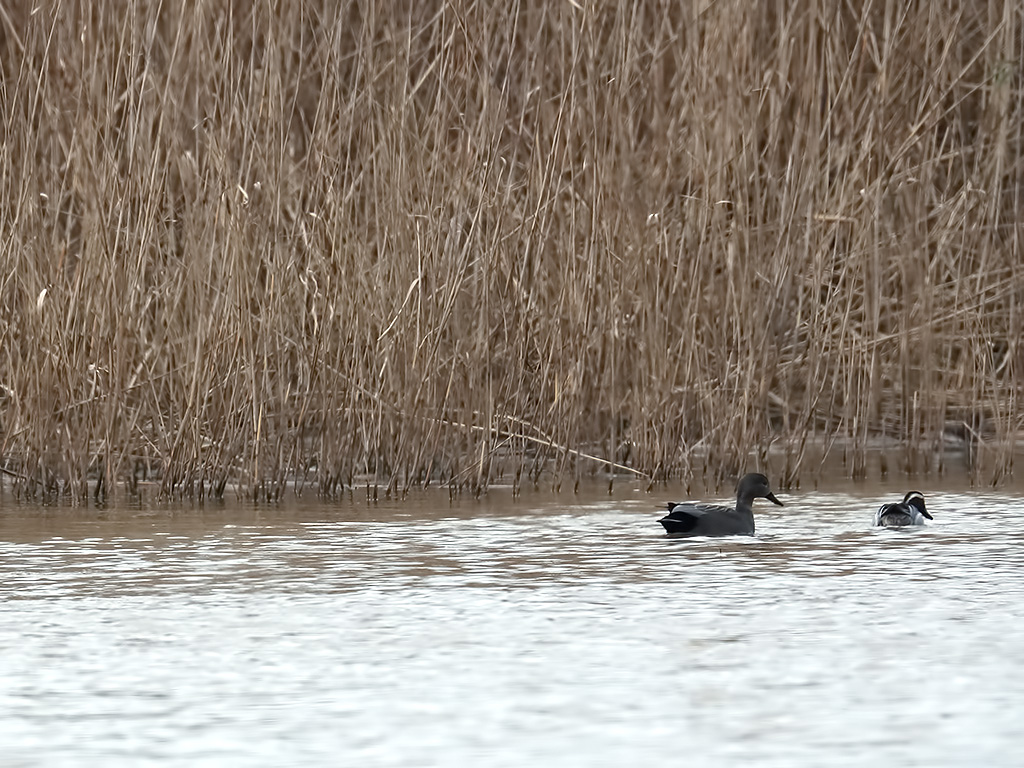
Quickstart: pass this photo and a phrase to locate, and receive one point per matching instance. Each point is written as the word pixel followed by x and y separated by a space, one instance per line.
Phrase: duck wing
pixel 895 515
pixel 687 518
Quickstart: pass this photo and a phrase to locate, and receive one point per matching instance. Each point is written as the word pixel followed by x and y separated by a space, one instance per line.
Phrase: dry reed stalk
pixel 389 246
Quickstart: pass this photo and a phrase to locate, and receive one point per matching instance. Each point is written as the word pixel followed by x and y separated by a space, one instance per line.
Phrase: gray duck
pixel 685 519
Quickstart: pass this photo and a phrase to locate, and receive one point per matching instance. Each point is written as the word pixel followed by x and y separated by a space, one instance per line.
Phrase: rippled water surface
pixel 555 630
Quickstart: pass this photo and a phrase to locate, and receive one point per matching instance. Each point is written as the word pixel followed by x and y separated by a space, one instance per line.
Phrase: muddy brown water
pixel 552 630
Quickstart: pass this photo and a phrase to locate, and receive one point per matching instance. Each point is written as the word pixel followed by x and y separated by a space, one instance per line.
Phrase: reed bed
pixel 337 245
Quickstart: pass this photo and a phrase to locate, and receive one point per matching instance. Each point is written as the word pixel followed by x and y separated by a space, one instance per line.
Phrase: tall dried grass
pixel 390 244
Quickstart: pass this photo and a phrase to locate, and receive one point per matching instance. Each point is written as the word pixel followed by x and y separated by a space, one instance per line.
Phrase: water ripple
pixel 569 635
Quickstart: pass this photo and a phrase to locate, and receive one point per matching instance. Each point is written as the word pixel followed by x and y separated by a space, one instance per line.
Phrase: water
pixel 555 631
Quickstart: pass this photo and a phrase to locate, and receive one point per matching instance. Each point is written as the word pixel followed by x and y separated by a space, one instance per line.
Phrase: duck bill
pixel 773 500
pixel 927 515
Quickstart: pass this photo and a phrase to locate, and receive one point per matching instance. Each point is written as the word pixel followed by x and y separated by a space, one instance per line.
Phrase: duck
pixel 910 511
pixel 684 519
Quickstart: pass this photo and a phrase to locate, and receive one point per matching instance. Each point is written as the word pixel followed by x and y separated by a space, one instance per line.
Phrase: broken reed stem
pixel 446 243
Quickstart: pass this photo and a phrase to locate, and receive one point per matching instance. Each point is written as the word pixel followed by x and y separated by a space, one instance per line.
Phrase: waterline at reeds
pixel 338 243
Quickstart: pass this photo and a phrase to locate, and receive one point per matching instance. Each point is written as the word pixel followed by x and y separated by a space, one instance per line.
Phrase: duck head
pixel 916 500
pixel 755 486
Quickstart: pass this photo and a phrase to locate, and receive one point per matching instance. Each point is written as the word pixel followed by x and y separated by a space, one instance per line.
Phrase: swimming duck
pixel 709 520
pixel 910 511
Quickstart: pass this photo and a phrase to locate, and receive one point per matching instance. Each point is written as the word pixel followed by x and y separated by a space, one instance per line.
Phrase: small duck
pixel 709 520
pixel 910 511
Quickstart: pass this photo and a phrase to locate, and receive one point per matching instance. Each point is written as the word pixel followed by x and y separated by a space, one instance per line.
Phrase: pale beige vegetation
pixel 387 244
